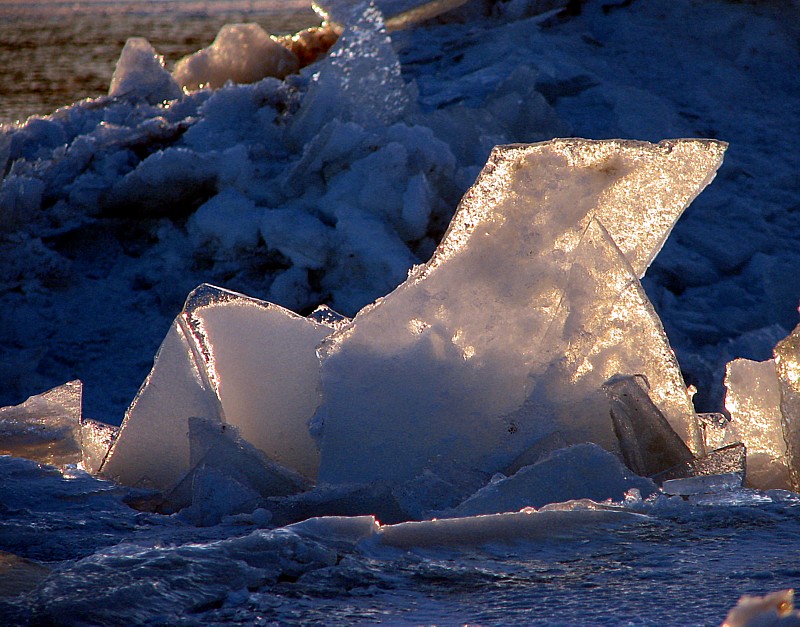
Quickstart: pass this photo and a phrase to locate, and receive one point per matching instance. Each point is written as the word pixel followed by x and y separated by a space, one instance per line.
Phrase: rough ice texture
pixel 728 459
pixel 580 471
pixel 754 402
pixel 241 53
pixel 262 360
pixel 229 359
pixel 530 303
pixel 96 440
pixel 787 363
pixel 140 74
pixel 46 427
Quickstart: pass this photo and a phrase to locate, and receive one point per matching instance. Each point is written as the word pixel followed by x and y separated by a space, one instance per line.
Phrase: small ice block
pixel 787 363
pixel 96 440
pixel 731 458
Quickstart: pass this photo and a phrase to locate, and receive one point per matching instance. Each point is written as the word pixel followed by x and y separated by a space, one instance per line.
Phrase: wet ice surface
pixel 141 566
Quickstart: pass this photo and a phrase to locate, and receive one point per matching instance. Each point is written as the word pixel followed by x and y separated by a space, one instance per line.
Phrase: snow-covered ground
pixel 327 187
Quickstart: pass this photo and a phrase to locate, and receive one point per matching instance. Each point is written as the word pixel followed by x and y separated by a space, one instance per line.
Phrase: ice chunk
pixel 728 459
pixel 263 364
pixel 753 399
pixel 140 74
pixel 360 81
pixel 45 428
pixel 527 307
pixel 787 364
pixel 96 440
pixel 152 448
pixel 580 471
pixel 228 475
pixel 242 53
pixel 528 524
pixel 707 484
pixel 648 443
pixel 397 13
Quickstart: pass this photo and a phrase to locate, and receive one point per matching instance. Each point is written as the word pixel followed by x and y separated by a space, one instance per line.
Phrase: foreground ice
pixel 530 303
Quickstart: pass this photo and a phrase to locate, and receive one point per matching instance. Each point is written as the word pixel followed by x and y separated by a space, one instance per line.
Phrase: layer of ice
pixel 707 484
pixel 528 306
pixel 46 427
pixel 787 364
pixel 241 53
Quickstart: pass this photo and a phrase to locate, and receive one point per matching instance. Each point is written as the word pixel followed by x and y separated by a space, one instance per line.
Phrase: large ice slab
pixel 753 399
pixel 46 427
pixel 232 359
pixel 530 303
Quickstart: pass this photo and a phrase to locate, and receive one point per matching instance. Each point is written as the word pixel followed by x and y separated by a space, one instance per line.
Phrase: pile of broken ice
pixel 515 369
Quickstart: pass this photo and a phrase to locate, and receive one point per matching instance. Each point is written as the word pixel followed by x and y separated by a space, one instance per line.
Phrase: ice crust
pixel 527 307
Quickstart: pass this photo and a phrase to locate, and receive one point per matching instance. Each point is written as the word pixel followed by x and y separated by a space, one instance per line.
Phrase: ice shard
pixel 499 340
pixel 229 359
pixel 648 443
pixel 45 428
pixel 753 399
pixel 152 448
pixel 262 361
pixel 787 363
pixel 96 440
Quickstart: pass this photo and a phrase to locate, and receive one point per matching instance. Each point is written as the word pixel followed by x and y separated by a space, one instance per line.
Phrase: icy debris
pixel 227 359
pixel 96 440
pixel 787 364
pixel 580 471
pixel 242 53
pixel 772 610
pixel 45 428
pixel 754 401
pixel 140 74
pixel 648 443
pixel 530 303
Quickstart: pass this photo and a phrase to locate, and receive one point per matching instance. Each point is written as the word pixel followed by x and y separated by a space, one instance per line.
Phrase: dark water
pixel 55 53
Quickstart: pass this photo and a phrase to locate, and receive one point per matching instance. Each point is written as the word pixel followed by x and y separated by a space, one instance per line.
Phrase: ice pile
pixel 521 338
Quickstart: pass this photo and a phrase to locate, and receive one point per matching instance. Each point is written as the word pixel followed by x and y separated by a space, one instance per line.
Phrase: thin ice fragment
pixel 648 443
pixel 261 359
pixel 46 427
pixel 497 340
pixel 728 459
pixel 753 399
pixel 787 364
pixel 96 440
pixel 152 449
pixel 706 484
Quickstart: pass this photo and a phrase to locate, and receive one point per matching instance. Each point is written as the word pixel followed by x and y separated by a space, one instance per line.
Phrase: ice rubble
pixel 503 341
